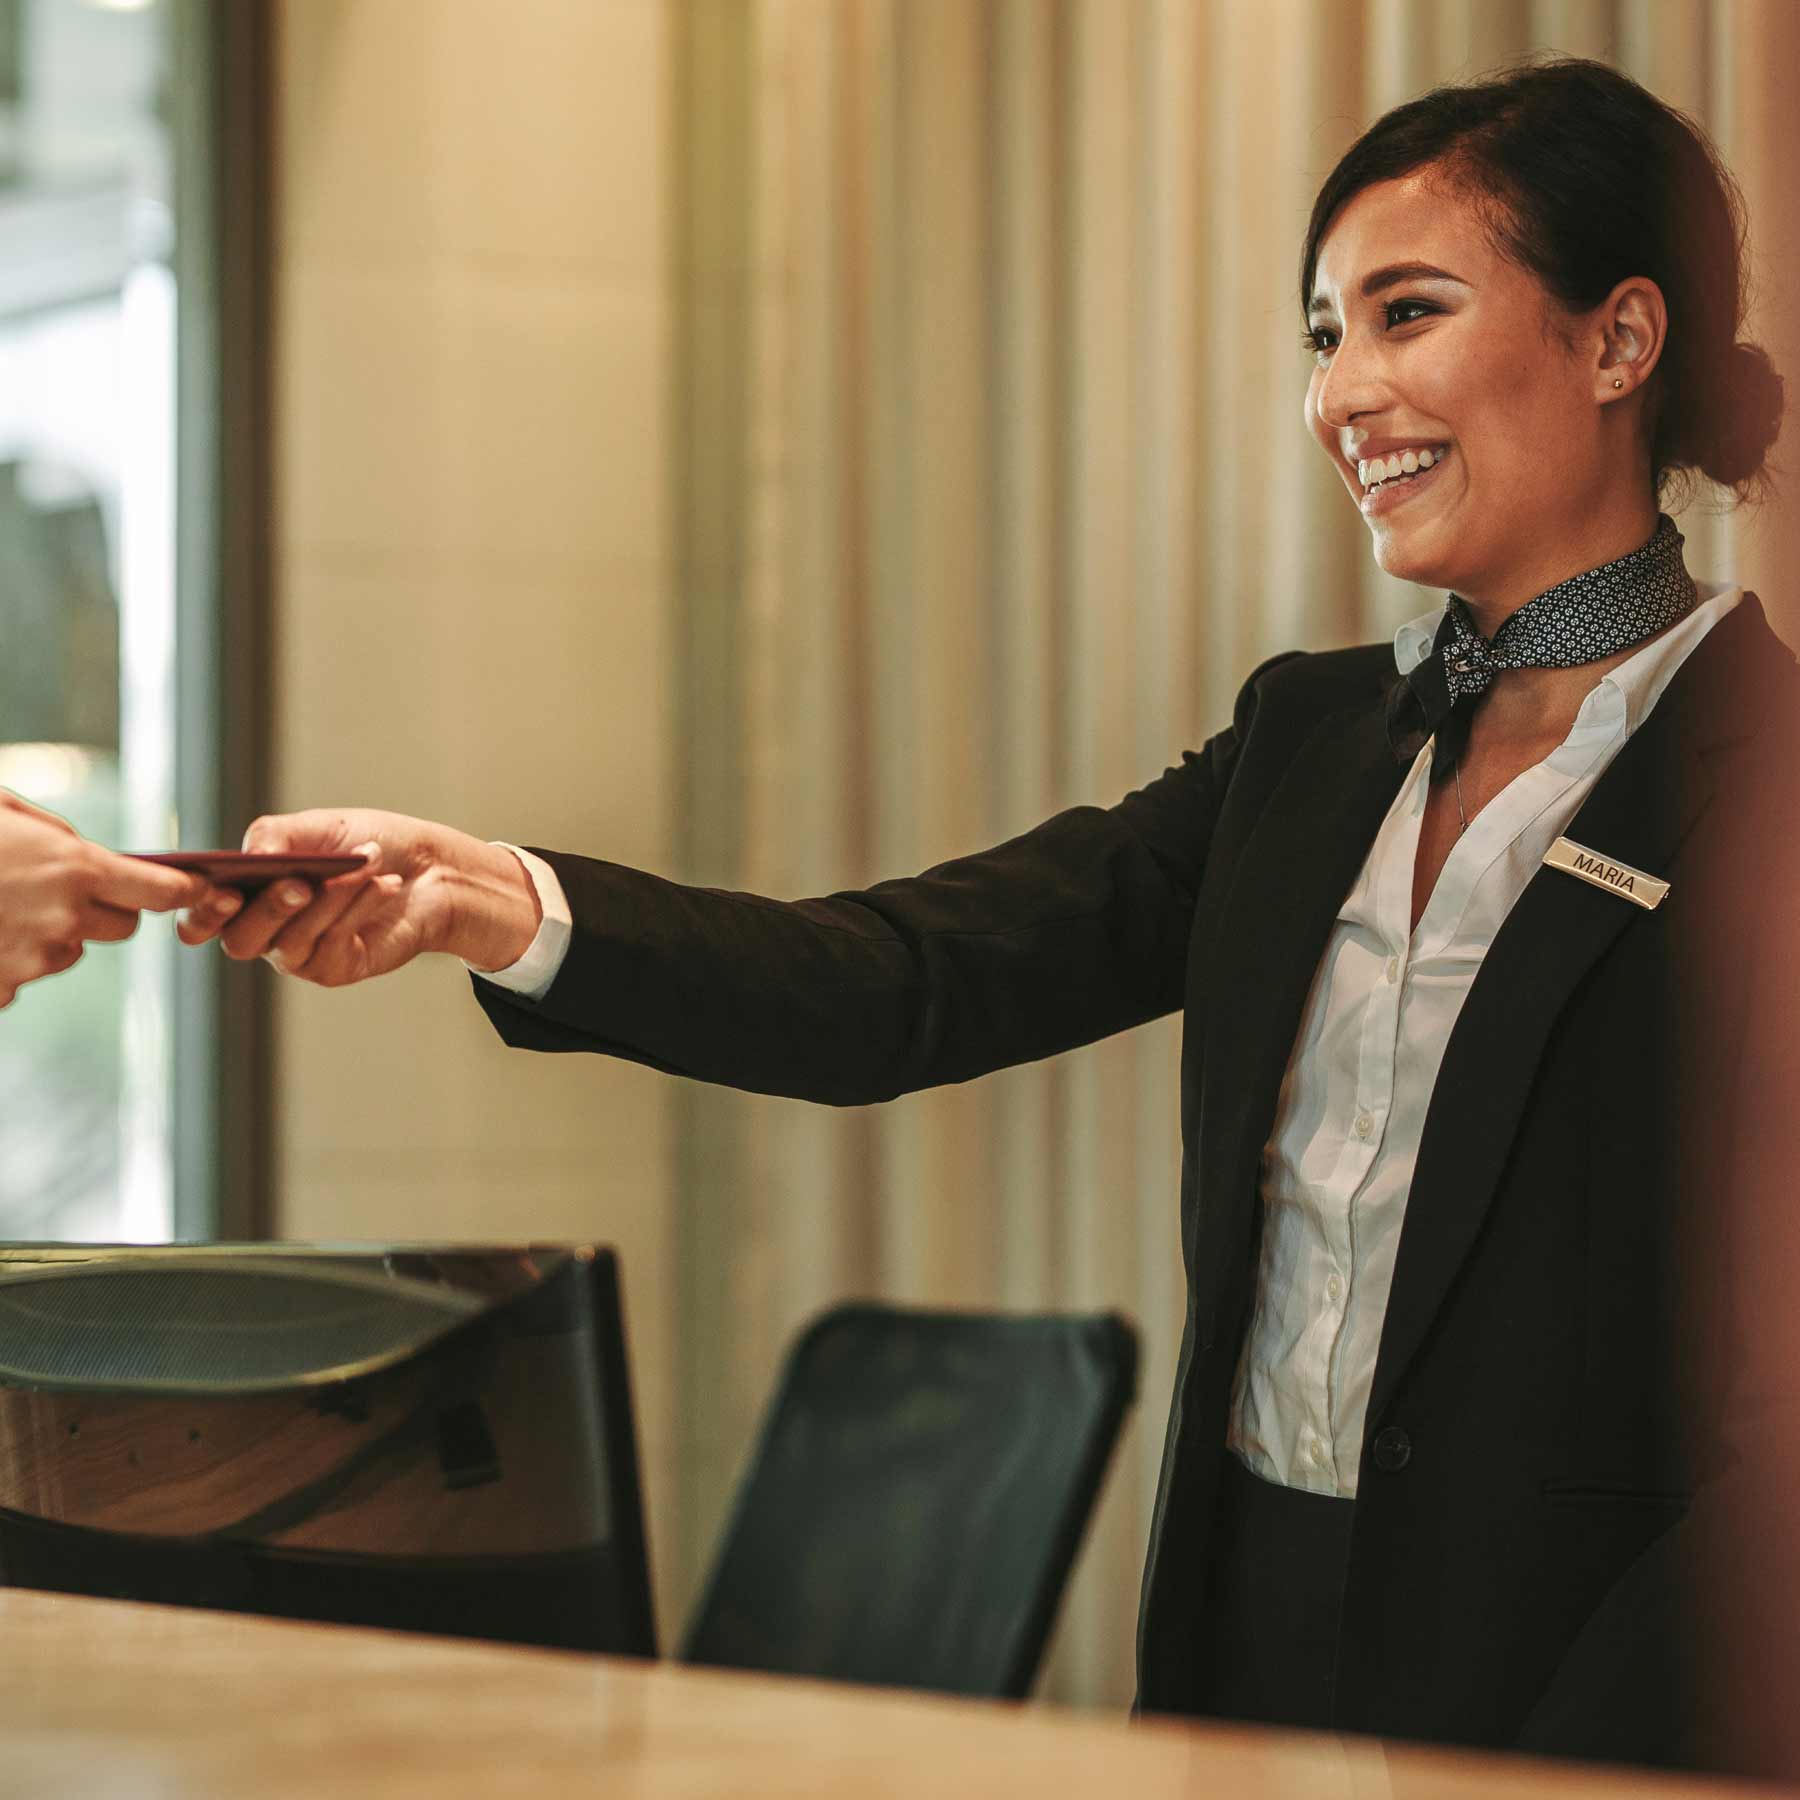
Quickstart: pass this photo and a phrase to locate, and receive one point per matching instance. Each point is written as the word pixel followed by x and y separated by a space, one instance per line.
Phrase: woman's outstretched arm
pixel 1072 931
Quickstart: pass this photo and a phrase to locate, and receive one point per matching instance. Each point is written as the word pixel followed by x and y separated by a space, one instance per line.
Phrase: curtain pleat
pixel 1004 493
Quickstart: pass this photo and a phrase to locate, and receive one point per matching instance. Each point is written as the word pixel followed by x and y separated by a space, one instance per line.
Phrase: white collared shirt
pixel 1338 1166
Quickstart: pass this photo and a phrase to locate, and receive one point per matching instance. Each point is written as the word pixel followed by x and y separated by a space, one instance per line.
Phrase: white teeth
pixel 1371 471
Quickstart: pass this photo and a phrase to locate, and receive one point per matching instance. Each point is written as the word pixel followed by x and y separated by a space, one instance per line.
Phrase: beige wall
pixel 468 573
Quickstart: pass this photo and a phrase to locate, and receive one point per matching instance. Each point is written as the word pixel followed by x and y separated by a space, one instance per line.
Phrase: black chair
pixel 916 1500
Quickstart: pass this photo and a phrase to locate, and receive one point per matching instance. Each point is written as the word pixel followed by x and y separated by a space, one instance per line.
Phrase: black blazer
pixel 1541 1418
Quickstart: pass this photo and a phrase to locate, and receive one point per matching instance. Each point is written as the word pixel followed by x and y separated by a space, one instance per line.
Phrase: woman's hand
pixel 423 887
pixel 59 892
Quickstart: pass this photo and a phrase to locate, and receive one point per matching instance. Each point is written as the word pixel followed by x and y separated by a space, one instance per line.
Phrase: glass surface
pixel 87 700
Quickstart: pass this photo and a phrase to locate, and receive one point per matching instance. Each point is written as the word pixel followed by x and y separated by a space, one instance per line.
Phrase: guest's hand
pixel 423 887
pixel 59 892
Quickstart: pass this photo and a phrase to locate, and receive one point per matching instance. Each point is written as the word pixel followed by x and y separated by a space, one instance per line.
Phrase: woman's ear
pixel 1633 324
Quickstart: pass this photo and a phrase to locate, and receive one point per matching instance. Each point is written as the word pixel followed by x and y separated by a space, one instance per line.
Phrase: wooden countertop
pixel 103 1698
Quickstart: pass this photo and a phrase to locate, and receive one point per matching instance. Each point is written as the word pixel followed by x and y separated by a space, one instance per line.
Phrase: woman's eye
pixel 1405 312
pixel 1322 340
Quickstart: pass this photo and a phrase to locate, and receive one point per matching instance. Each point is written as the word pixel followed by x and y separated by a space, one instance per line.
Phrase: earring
pixel 1618 381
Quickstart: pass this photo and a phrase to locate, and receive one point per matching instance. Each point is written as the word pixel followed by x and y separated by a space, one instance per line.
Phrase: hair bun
pixel 1751 398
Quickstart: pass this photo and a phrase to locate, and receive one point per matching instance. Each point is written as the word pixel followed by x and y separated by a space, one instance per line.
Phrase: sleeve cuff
pixel 530 977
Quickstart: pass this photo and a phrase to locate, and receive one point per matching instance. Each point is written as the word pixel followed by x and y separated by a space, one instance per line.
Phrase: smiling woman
pixel 1467 981
pixel 1545 273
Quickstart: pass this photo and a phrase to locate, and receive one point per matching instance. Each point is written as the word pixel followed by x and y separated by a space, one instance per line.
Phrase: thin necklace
pixel 1461 815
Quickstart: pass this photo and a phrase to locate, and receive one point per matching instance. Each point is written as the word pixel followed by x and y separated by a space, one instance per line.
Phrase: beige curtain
pixel 989 486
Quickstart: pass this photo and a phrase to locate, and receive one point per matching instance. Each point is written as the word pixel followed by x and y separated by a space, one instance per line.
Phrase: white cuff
pixel 533 973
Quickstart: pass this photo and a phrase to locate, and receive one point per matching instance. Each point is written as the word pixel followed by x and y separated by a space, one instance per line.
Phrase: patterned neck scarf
pixel 1589 616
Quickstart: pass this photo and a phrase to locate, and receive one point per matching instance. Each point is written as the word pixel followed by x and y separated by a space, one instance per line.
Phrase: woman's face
pixel 1433 347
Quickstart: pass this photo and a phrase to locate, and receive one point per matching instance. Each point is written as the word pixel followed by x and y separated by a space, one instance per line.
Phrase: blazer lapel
pixel 1639 812
pixel 1291 878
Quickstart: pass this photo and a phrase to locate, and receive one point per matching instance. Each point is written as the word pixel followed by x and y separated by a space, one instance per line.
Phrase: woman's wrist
pixel 492 912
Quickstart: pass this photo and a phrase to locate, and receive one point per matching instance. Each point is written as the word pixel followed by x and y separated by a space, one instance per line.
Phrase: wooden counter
pixel 100 1698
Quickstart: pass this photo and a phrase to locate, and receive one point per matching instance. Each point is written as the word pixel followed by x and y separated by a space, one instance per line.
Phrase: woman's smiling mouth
pixel 1389 481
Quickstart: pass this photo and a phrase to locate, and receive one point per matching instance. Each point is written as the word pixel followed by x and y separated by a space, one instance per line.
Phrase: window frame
pixel 221 137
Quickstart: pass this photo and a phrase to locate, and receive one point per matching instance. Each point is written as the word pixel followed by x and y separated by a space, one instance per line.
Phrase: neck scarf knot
pixel 1590 616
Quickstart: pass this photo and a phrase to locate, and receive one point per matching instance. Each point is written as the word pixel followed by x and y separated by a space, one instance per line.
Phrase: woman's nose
pixel 1350 386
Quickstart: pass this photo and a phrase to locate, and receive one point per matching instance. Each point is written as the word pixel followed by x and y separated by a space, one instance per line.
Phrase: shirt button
pixel 1364 1124
pixel 1393 968
pixel 1334 1287
pixel 1318 1453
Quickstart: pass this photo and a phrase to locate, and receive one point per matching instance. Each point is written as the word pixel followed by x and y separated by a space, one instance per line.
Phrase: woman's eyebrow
pixel 1390 275
pixel 1395 273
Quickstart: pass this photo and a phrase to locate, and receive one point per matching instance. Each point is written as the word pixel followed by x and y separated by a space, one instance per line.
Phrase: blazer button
pixel 1393 1449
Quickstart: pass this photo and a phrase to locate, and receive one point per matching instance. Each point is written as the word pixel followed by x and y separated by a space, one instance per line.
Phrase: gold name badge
pixel 1617 878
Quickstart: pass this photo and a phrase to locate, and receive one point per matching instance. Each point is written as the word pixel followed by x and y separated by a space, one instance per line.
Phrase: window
pixel 108 278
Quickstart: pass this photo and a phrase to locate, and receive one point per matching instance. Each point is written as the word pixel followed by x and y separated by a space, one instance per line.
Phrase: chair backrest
pixel 917 1497
pixel 432 1439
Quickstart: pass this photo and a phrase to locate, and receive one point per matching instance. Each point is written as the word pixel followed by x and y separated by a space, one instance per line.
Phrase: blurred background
pixel 780 443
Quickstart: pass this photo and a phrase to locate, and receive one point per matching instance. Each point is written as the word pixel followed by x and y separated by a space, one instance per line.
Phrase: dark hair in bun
pixel 1592 179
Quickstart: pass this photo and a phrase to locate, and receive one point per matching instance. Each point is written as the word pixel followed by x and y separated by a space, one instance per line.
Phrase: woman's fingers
pixel 264 917
pixel 368 922
pixel 309 833
pixel 294 944
pixel 289 915
pixel 343 954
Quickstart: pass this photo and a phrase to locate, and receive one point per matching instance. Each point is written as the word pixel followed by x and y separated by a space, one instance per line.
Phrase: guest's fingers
pixel 11 802
pixel 129 881
pixel 101 924
pixel 60 956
